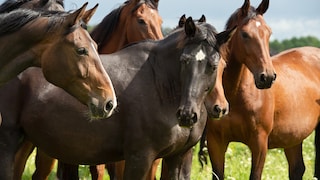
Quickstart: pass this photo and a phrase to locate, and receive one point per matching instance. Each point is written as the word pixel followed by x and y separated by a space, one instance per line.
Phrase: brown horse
pixel 59 43
pixel 279 117
pixel 167 90
pixel 133 21
pixel 138 20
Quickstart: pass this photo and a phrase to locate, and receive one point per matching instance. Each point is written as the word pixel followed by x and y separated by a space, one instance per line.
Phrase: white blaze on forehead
pixel 258 23
pixel 200 55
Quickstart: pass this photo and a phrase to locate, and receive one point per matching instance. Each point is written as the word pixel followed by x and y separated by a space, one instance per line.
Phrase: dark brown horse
pixel 59 44
pixel 161 111
pixel 279 117
pixel 138 20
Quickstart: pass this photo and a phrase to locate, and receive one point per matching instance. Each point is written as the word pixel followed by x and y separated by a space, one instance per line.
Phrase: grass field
pixel 238 158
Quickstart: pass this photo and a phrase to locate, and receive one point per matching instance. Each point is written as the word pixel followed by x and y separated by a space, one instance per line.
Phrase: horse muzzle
pixel 264 80
pixel 217 111
pixel 104 110
pixel 186 117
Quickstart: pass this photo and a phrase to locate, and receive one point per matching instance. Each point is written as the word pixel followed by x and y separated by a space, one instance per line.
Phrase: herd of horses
pixel 127 96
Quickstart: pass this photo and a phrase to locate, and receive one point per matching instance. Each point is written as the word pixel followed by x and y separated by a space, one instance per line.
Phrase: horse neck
pixel 235 72
pixel 118 40
pixel 166 68
pixel 24 46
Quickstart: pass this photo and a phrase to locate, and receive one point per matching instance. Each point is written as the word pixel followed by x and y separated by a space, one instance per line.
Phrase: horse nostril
pixel 275 76
pixel 109 105
pixel 217 109
pixel 194 117
pixel 263 77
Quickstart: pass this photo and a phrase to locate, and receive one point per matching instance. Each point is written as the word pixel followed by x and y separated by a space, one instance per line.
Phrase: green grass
pixel 237 167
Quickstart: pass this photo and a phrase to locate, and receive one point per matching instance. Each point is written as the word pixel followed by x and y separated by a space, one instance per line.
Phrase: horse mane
pixel 102 32
pixel 14 20
pixel 208 33
pixel 10 5
pixel 233 19
pixel 44 2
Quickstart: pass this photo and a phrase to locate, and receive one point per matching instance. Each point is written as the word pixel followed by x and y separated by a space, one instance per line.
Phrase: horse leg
pixel 111 171
pixel 97 172
pixel 259 148
pixel 44 165
pixel 177 167
pixel 67 171
pixel 317 147
pixel 152 173
pixel 10 140
pixel 295 161
pixel 217 147
pixel 119 169
pixel 21 158
pixel 138 165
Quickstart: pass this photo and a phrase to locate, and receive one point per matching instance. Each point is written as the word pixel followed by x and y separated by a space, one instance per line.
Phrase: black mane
pixel 10 22
pixel 14 20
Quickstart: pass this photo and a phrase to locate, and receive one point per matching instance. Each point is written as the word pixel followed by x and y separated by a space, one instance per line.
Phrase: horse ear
pixel 245 8
pixel 76 16
pixel 203 18
pixel 88 14
pixel 225 36
pixel 182 21
pixel 190 28
pixel 262 8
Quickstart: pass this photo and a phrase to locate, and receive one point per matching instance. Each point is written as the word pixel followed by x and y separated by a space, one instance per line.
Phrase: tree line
pixel 278 46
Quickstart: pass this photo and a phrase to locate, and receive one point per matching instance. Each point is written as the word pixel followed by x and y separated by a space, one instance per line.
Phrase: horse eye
pixel 82 51
pixel 142 22
pixel 245 35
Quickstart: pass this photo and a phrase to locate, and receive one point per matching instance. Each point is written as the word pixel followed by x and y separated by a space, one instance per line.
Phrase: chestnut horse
pixel 133 21
pixel 137 20
pixel 59 44
pixel 279 117
pixel 162 93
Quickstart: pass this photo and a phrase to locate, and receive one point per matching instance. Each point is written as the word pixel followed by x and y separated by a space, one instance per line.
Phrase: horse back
pixel 296 95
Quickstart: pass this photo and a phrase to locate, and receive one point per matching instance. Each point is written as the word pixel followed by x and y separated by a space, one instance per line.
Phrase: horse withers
pixel 162 93
pixel 58 43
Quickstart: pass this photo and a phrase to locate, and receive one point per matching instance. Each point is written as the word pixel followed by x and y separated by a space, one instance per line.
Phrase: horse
pixel 59 44
pixel 133 21
pixel 144 12
pixel 269 118
pixel 162 93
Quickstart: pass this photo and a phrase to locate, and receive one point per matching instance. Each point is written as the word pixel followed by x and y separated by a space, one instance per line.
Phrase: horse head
pixel 73 63
pixel 199 62
pixel 251 42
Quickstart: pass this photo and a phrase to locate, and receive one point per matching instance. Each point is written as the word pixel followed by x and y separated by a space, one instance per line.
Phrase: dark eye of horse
pixel 210 68
pixel 245 35
pixel 142 22
pixel 82 51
